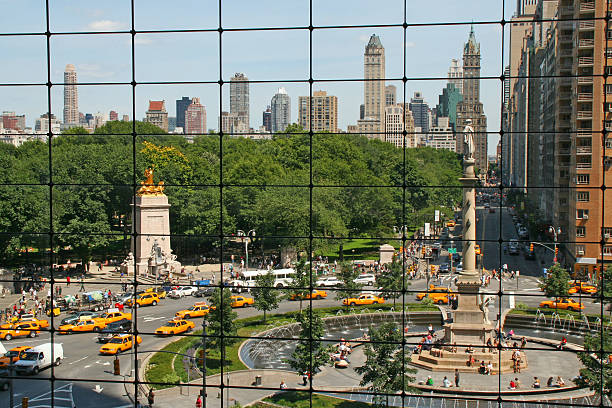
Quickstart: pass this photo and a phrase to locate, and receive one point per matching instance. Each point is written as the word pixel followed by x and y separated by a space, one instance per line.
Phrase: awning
pixel 586 261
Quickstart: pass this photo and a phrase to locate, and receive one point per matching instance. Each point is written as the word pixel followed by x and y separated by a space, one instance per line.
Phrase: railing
pixel 585 61
pixel 586 43
pixel 585 80
pixel 586 25
pixel 584 149
pixel 585 96
pixel 583 165
pixel 587 6
pixel 584 115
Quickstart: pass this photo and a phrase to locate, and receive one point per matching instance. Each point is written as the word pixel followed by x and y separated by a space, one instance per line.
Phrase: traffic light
pixel 423 251
pixel 530 247
pixel 24 402
pixel 556 251
pixel 116 366
pixel 433 269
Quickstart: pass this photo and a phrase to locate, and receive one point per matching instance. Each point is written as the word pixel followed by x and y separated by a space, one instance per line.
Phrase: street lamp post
pixel 203 392
pixel 246 237
pixel 556 232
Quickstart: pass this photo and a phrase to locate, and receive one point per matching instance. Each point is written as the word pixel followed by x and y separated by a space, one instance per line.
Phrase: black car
pixel 205 291
pixel 112 329
pixel 456 257
pixel 75 317
pixel 444 268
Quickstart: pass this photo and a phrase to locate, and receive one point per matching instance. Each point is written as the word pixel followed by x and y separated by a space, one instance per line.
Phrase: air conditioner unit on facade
pixel 580 253
pixel 585 217
pixel 607 236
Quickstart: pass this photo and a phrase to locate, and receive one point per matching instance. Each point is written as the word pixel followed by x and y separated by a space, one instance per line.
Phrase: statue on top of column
pixel 468 141
pixel 148 186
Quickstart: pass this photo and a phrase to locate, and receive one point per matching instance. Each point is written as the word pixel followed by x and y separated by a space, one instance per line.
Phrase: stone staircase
pixel 448 361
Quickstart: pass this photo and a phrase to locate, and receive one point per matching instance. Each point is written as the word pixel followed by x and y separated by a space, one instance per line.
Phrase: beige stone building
pixel 71 97
pixel 397 119
pixel 374 88
pixel 157 114
pixel 324 112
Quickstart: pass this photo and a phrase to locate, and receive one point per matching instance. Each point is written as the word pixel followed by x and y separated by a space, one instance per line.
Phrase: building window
pixel 580 250
pixel 609 88
pixel 582 214
pixel 582 196
pixel 607 232
pixel 580 232
pixel 583 179
pixel 607 250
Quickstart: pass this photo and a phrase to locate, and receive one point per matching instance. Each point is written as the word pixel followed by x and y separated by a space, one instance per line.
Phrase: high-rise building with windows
pixel 374 86
pixel 324 112
pixel 267 119
pixel 447 104
pixel 71 97
pixel 471 107
pixel 157 114
pixel 281 110
pixel 455 75
pixel 195 119
pixel 239 98
pixel 398 119
pixel 420 110
pixel 181 107
pixel 390 95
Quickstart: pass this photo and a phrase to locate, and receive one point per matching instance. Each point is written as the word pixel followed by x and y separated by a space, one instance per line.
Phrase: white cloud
pixel 139 40
pixel 105 25
pixel 364 38
pixel 410 44
pixel 93 71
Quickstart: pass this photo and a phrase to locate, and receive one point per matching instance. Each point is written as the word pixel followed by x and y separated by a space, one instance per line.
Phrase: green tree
pixel 597 371
pixel 265 294
pixel 309 354
pixel 348 273
pixel 393 279
pixel 386 369
pixel 556 283
pixel 604 288
pixel 300 283
pixel 221 322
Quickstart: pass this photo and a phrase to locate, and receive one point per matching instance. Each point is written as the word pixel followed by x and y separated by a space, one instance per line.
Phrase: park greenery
pixel 596 357
pixel 90 179
pixel 393 280
pixel 222 324
pixel 556 284
pixel 310 353
pixel 266 297
pixel 604 288
pixel 347 274
pixel 299 284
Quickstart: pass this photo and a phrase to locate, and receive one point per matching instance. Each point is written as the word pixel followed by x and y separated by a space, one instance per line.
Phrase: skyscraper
pixel 324 112
pixel 455 75
pixel 195 119
pixel 281 110
pixel 471 107
pixel 397 119
pixel 181 107
pixel 390 95
pixel 157 114
pixel 447 104
pixel 267 119
pixel 419 110
pixel 374 86
pixel 239 98
pixel 71 97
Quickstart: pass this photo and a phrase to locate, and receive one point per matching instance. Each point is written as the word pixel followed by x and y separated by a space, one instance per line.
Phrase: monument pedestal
pixel 470 324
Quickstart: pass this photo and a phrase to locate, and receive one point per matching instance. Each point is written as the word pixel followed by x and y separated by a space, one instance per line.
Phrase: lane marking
pixel 80 359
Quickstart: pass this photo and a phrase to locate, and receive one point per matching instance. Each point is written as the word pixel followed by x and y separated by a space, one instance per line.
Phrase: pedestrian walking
pixel 67 281
pixel 305 378
pixel 199 402
pixel 151 398
pixel 457 378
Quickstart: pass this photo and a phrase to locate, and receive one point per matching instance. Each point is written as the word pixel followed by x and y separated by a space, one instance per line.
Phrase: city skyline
pixel 111 61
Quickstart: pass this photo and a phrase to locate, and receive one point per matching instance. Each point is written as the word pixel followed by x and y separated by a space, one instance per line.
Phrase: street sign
pixel 427 229
pixel 437 215
pixel 452 250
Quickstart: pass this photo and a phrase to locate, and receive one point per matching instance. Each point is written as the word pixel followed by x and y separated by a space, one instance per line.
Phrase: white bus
pixel 282 277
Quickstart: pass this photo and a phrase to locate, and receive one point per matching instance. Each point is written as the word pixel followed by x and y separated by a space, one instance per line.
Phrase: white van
pixel 39 358
pixel 282 277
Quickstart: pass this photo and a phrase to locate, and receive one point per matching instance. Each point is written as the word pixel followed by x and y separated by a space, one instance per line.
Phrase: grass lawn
pixel 300 399
pixel 168 368
pixel 364 249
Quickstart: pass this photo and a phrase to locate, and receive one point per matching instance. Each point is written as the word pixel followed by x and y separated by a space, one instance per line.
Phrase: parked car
pixel 365 279
pixel 113 329
pixel 204 291
pixel 328 281
pixel 182 291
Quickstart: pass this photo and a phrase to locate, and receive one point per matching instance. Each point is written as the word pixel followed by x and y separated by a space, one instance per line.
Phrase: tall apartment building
pixel 44 125
pixel 471 107
pixel 181 108
pixel 442 135
pixel 195 119
pixel 157 114
pixel 390 95
pixel 374 86
pixel 267 119
pixel 10 120
pixel 71 97
pixel 324 109
pixel 420 112
pixel 239 98
pixel 281 110
pixel 447 104
pixel 398 119
pixel 455 75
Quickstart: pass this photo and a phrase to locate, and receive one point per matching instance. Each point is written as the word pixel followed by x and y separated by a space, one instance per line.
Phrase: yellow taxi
pixel 84 325
pixel 27 318
pixel 161 293
pixel 13 355
pixel 241 301
pixel 119 343
pixel 175 327
pixel 21 329
pixel 438 294
pixel 582 287
pixel 144 299
pixel 364 299
pixel 111 317
pixel 315 294
pixel 477 249
pixel 451 224
pixel 56 311
pixel 565 303
pixel 199 309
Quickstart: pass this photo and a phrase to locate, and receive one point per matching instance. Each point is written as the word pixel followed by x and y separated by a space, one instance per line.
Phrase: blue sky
pixel 277 55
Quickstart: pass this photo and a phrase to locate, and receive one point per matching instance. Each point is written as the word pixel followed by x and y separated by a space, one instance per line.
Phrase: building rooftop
pixel 374 42
pixel 157 106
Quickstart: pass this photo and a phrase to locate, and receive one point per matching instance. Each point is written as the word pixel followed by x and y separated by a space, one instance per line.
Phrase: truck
pixel 93 301
pixel 39 358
